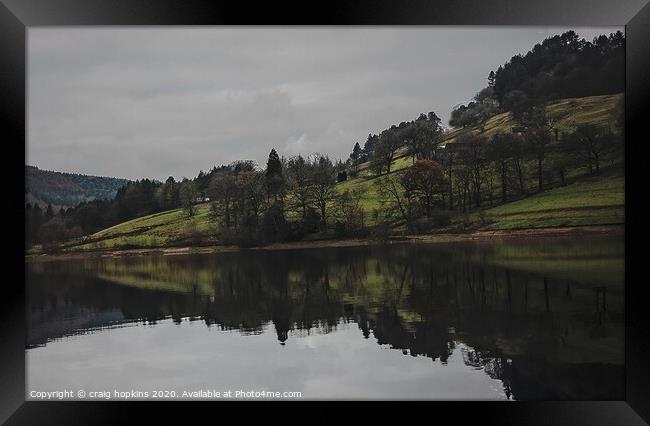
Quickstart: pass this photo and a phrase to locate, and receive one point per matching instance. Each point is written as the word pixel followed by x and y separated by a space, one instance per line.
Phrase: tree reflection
pixel 422 300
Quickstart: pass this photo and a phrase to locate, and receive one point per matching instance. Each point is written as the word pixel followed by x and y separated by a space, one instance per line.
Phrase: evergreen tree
pixel 274 178
pixel 356 153
pixel 273 165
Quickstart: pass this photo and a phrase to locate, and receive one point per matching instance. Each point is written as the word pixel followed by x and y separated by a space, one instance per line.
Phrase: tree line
pixel 133 200
pixel 290 198
pixel 562 66
pixel 287 200
pixel 421 136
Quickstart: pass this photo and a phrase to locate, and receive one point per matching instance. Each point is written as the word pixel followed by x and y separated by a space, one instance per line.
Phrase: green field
pixel 589 201
pixel 163 229
pixel 585 201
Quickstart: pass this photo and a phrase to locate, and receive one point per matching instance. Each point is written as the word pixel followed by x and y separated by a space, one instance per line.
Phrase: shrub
pixel 312 221
pixel 437 220
pixel 243 238
pixel 340 229
pixel 381 231
pixel 482 217
pixel 350 214
pixel 192 234
pixel 442 218
pixel 465 221
pixel 295 231
pixel 274 226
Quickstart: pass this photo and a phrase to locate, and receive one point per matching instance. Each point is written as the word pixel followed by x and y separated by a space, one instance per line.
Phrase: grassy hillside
pixel 585 200
pixel 568 113
pixel 588 201
pixel 168 228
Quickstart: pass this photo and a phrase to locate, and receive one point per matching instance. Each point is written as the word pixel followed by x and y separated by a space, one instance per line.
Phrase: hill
pixel 60 189
pixel 583 200
pixel 568 113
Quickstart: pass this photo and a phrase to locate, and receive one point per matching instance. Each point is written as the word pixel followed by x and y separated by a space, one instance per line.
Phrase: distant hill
pixel 59 189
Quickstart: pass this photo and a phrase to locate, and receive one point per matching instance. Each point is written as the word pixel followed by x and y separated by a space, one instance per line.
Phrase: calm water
pixel 525 320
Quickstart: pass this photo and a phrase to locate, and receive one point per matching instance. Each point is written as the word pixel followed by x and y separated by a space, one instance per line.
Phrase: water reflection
pixel 544 318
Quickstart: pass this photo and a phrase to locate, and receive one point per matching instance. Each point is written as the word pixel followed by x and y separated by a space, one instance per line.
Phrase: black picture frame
pixel 16 16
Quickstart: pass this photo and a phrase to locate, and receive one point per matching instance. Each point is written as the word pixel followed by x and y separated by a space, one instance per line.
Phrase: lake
pixel 538 319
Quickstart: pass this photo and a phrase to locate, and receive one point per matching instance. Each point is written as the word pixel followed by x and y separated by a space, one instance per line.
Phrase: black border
pixel 17 15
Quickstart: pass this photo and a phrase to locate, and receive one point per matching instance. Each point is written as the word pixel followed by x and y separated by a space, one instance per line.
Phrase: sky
pixel 136 102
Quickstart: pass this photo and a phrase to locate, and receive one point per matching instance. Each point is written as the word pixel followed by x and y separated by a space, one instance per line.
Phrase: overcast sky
pixel 155 102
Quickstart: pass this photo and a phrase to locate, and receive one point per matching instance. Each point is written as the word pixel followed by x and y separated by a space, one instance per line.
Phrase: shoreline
pixel 474 236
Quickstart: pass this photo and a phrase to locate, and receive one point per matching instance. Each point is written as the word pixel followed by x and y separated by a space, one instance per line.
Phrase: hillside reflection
pixel 546 319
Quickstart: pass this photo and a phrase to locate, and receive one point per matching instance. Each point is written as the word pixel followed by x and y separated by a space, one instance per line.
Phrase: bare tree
pixel 394 198
pixel 188 194
pixel 300 185
pixel 425 184
pixel 501 151
pixel 447 158
pixel 324 179
pixel 349 211
pixel 475 158
pixel 537 127
pixel 222 192
pixel 590 143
